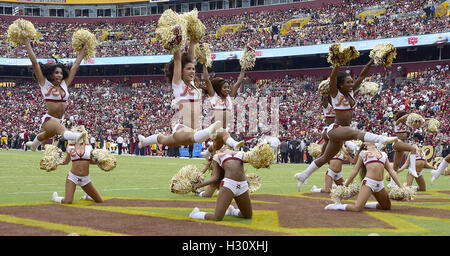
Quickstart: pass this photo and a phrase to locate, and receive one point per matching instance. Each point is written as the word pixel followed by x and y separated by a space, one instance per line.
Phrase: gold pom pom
pixel 339 55
pixel 314 149
pixel 53 156
pixel 195 28
pixel 342 192
pixel 324 87
pixel 181 182
pixel 254 182
pixel 171 31
pixel 248 59
pixel 414 120
pixel 104 159
pixel 402 194
pixel 383 54
pixel 83 37
pixel 261 156
pixel 19 30
pixel 369 88
pixel 203 54
pixel 433 125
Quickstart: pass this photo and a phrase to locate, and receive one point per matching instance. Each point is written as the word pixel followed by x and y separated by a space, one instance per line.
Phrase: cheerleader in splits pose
pixel 81 157
pixel 442 166
pixel 371 164
pixel 420 163
pixel 54 80
pixel 342 91
pixel 180 72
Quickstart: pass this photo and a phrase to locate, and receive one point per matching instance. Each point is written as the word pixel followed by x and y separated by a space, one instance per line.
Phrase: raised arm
pixel 362 75
pixel 191 49
pixel 333 82
pixel 76 66
pixel 209 86
pixel 36 68
pixel 238 83
pixel 354 171
pixel 392 173
pixel 176 79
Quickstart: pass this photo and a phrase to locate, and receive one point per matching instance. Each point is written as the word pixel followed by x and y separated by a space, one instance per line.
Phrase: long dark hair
pixel 168 68
pixel 49 68
pixel 400 114
pixel 362 169
pixel 217 84
pixel 341 78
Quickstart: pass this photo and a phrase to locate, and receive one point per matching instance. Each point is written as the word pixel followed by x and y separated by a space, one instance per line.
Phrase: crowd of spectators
pixel 330 23
pixel 109 109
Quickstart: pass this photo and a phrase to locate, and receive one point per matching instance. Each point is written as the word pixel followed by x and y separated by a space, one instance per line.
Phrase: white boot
pixel 56 198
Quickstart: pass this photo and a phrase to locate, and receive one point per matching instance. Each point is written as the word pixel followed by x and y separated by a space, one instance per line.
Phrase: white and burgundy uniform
pixel 368 158
pixel 218 103
pixel 184 93
pixel 237 187
pixel 340 103
pixel 52 94
pixel 401 128
pixel 74 156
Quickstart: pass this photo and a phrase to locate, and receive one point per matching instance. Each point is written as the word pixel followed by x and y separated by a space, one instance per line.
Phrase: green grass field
pixel 143 177
pixel 148 177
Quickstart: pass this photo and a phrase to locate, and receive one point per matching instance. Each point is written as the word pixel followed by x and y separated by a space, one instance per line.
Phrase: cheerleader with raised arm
pixel 370 164
pixel 180 72
pixel 54 80
pixel 342 90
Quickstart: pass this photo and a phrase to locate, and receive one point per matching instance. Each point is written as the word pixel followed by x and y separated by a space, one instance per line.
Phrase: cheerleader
pixel 329 115
pixel 212 183
pixel 180 72
pixel 81 157
pixel 420 163
pixel 342 90
pixel 54 80
pixel 400 146
pixel 370 164
pixel 334 172
pixel 234 185
pixel 220 94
